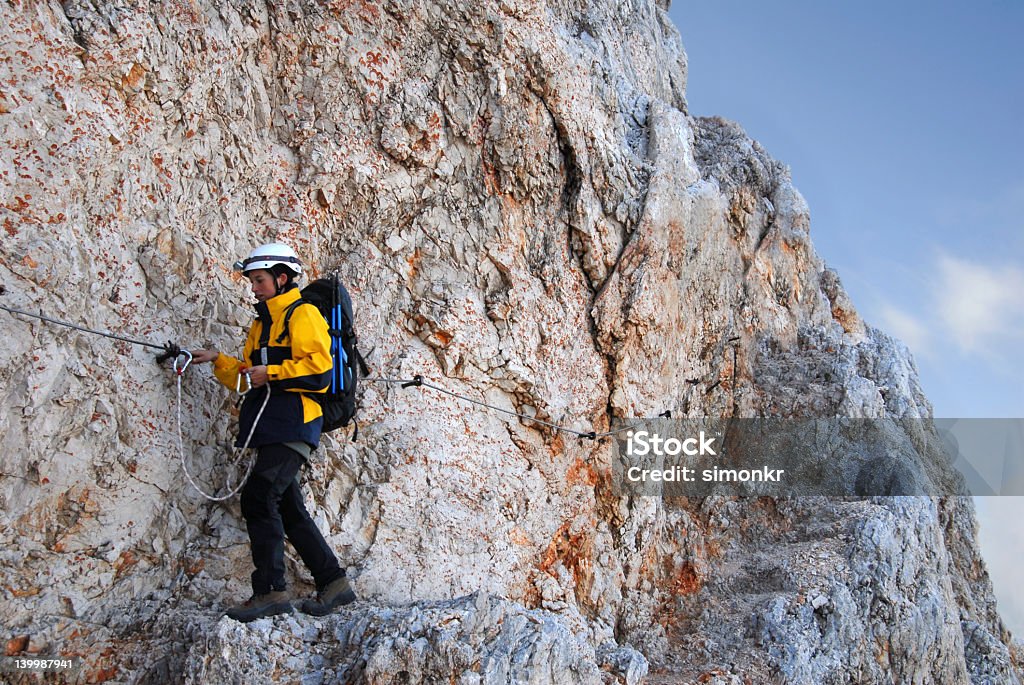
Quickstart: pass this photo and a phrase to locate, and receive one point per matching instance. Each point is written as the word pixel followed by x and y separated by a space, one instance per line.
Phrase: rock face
pixel 526 215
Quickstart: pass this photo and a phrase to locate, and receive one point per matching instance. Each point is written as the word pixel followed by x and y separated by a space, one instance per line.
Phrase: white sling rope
pixel 180 371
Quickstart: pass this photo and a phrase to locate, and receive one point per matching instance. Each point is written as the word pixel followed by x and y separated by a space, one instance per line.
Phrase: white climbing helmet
pixel 266 256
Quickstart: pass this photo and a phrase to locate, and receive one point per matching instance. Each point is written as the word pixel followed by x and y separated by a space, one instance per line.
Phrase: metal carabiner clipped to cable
pixel 238 382
pixel 188 360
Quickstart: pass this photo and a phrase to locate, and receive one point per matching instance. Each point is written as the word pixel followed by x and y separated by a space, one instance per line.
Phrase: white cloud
pixel 906 327
pixel 981 306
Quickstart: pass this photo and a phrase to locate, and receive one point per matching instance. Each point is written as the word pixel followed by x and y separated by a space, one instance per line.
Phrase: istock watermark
pixel 641 443
pixel 644 443
pixel 834 456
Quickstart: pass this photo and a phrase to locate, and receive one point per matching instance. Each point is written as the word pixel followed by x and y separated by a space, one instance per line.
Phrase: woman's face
pixel 264 286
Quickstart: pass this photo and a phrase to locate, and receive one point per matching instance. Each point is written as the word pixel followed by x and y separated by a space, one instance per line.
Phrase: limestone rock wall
pixel 525 214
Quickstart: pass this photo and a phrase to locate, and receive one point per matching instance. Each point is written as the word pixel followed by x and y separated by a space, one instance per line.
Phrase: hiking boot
pixel 337 593
pixel 258 606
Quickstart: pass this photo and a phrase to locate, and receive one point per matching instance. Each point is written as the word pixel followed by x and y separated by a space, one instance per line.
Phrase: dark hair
pixel 278 269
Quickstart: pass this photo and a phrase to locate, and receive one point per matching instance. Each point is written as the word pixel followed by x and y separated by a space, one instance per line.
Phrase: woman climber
pixel 285 360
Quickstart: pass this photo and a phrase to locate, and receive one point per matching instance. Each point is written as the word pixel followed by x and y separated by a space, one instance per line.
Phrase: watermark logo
pixel 642 443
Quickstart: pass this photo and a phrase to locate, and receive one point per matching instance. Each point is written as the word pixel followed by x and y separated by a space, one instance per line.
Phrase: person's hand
pixel 257 376
pixel 203 356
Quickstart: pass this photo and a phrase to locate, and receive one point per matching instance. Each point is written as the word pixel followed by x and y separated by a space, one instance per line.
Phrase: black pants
pixel 273 508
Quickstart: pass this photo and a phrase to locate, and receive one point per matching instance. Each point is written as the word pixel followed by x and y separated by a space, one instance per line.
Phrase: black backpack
pixel 339 402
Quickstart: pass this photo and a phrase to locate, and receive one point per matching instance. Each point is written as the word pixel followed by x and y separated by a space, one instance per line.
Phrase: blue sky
pixel 903 126
pixel 901 123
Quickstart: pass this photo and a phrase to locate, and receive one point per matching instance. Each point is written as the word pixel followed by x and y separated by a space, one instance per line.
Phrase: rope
pixel 68 324
pixel 181 445
pixel 417 381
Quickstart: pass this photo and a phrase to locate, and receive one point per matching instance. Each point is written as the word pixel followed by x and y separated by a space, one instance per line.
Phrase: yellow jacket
pixel 298 362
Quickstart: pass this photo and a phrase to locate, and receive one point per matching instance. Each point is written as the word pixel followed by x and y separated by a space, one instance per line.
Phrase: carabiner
pixel 188 360
pixel 238 382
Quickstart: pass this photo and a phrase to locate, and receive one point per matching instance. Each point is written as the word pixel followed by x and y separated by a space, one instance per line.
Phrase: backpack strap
pixel 287 319
pixel 363 366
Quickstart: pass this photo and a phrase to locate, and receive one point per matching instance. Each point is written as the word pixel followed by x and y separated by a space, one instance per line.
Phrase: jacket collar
pixel 277 304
